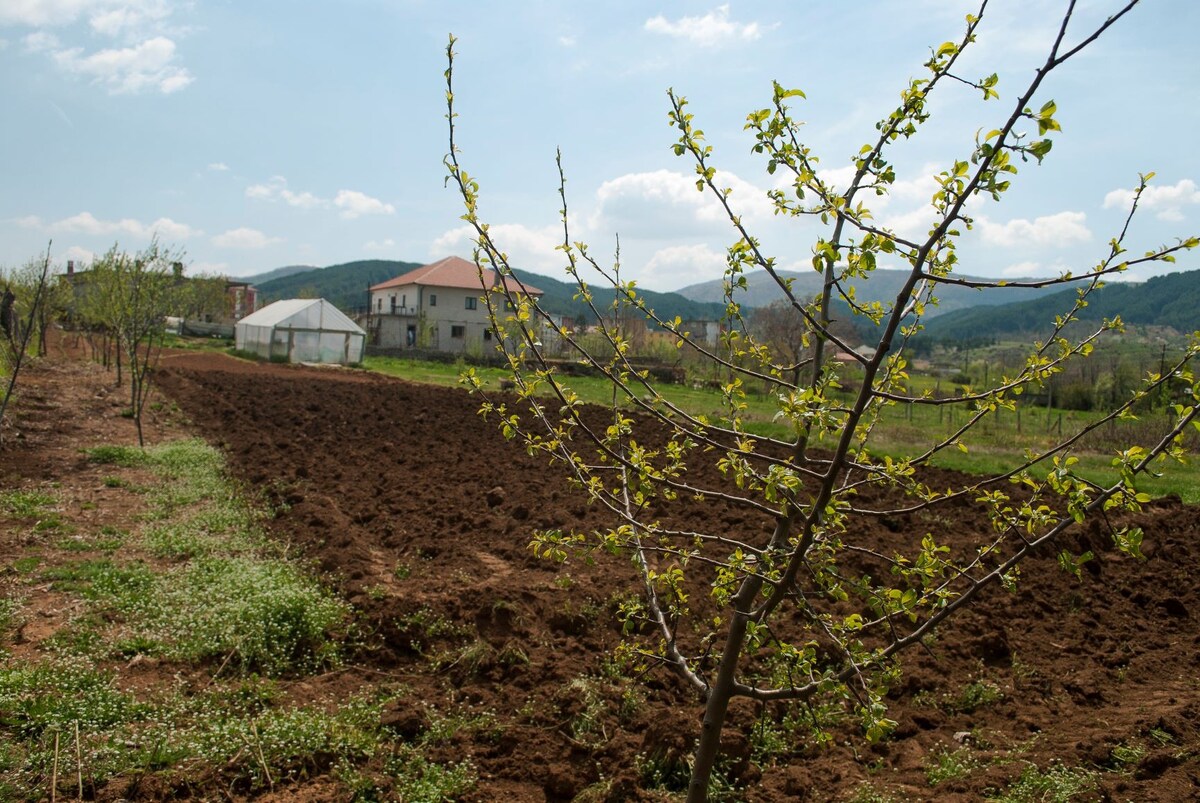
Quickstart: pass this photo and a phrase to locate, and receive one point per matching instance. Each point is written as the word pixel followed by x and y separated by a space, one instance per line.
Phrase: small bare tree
pixel 806 613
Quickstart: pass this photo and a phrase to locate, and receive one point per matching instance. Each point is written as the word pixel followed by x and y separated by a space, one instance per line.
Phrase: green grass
pixel 10 611
pixel 60 694
pixel 263 616
pixel 217 344
pixel 234 601
pixel 868 793
pixel 975 695
pixel 126 456
pixel 66 716
pixel 229 606
pixel 946 765
pixel 26 564
pixel 1057 783
pixel 26 504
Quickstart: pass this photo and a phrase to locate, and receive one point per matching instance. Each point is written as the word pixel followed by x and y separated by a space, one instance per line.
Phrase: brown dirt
pixel 417 509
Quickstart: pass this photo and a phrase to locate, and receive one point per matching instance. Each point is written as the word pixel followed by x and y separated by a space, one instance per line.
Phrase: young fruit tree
pixel 795 610
pixel 128 296
pixel 22 313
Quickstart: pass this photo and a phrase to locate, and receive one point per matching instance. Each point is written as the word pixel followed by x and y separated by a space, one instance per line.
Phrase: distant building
pixel 243 298
pixel 707 333
pixel 438 306
pixel 213 307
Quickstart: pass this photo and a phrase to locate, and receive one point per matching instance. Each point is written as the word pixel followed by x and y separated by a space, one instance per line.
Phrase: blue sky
pixel 259 134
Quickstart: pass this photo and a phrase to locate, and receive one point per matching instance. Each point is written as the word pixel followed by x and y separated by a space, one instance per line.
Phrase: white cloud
pixel 1062 229
pixel 1023 269
pixel 712 30
pixel 912 225
pixel 87 223
pixel 916 190
pixel 528 248
pixel 171 231
pixel 209 269
pixel 40 42
pixel 352 203
pixel 265 192
pixel 275 189
pixel 666 204
pixel 148 66
pixel 304 200
pixel 129 17
pixel 109 17
pixel 1165 202
pixel 682 265
pixel 374 245
pixel 143 58
pixel 42 12
pixel 909 191
pixel 82 257
pixel 355 204
pixel 244 238
pixel 218 167
pixel 567 41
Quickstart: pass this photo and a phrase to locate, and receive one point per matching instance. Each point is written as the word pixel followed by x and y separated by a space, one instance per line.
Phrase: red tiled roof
pixel 449 272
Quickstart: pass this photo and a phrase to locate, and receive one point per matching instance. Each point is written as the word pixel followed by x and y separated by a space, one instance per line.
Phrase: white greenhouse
pixel 301 330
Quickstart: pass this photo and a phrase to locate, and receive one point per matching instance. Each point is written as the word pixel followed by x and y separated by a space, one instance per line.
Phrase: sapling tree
pixel 201 298
pixel 22 309
pixel 129 297
pixel 794 607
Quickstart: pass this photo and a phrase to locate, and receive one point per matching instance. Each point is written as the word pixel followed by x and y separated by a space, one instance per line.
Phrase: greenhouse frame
pixel 301 330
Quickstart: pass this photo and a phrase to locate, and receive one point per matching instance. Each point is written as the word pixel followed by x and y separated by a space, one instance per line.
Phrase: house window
pixel 433 299
pixel 487 335
pixel 458 331
pixel 393 305
pixel 470 302
pixel 403 301
pixel 379 305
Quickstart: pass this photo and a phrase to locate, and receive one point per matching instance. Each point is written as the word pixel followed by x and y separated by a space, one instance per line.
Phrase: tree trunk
pixel 720 693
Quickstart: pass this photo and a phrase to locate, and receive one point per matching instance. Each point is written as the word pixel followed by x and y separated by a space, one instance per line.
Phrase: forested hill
pixel 278 273
pixel 1172 300
pixel 346 286
pixel 559 299
pixel 882 285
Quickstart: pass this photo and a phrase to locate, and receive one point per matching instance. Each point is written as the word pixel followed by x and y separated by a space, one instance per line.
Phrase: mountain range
pixel 1171 301
pixel 883 285
pixel 345 285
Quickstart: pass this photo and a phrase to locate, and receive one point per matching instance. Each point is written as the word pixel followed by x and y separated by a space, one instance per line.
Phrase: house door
pixel 411 336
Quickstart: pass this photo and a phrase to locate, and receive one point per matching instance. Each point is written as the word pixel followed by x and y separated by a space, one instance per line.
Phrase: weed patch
pixel 946 765
pixel 1057 783
pixel 265 616
pixel 26 504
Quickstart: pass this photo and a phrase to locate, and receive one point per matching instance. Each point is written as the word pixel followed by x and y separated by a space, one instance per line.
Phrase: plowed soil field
pixel 420 514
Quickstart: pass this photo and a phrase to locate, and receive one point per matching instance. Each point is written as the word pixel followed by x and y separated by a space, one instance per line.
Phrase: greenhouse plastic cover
pixel 301 330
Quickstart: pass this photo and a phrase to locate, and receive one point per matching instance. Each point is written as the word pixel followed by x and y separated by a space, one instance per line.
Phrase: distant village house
pixel 438 307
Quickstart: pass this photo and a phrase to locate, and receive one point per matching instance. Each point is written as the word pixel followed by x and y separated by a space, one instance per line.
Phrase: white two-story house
pixel 438 306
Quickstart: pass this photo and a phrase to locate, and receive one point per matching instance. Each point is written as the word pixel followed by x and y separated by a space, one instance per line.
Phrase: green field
pixel 995 445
